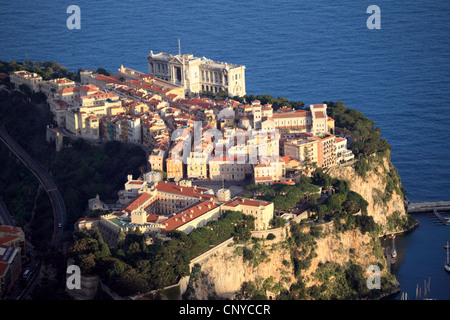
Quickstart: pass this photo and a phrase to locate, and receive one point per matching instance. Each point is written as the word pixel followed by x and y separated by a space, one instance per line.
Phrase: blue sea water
pixel 313 51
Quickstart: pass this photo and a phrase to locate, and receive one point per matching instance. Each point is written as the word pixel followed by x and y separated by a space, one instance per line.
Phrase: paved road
pixel 59 209
pixel 5 217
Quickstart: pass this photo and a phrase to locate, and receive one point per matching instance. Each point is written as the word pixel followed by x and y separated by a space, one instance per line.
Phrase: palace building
pixel 198 74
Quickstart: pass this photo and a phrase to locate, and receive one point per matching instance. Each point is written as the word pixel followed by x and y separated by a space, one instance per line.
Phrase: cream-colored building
pixel 342 153
pixel 160 86
pixel 85 121
pixel 319 119
pixel 305 148
pixel 314 121
pixel 229 168
pixel 269 170
pixel 155 208
pixel 51 87
pixel 261 210
pixel 32 80
pixel 327 150
pixel 197 165
pixel 198 75
pixel 174 168
pixel 157 158
pixel 71 95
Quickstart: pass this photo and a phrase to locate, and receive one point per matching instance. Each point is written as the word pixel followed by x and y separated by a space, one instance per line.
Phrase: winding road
pixel 59 208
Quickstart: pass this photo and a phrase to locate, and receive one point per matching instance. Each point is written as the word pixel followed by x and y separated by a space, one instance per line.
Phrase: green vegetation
pixel 25 199
pixel 136 266
pixel 341 206
pixel 395 222
pixel 47 70
pixel 81 170
pixel 84 170
pixel 284 197
pixel 276 103
pixel 366 137
pixel 255 255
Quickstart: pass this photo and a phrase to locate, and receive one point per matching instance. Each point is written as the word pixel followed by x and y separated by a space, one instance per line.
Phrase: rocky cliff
pixel 380 185
pixel 312 265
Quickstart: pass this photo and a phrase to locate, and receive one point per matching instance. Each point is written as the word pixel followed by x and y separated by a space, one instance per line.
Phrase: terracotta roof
pixel 263 179
pixel 288 159
pixel 188 214
pixel 152 217
pixel 319 114
pixel 137 202
pixel 290 114
pixel 9 229
pixel 104 78
pixel 246 202
pixel 8 238
pixel 182 190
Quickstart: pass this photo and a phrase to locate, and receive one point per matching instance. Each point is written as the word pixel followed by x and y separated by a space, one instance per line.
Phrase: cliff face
pixel 380 186
pixel 223 274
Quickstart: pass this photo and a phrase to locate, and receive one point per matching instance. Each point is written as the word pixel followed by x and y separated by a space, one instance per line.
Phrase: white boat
pixel 394 252
pixel 447 264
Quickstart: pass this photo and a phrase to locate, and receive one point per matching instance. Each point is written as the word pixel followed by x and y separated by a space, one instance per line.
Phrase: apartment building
pixel 52 86
pixel 269 170
pixel 32 80
pixel 326 151
pixel 261 210
pixel 305 147
pixel 229 168
pixel 342 153
pixel 197 165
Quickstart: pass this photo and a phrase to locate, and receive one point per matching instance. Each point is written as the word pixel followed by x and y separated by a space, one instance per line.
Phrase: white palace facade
pixel 198 74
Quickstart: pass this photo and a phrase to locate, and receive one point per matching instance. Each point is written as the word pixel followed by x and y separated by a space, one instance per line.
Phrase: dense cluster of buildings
pixel 155 207
pixel 193 138
pixel 190 137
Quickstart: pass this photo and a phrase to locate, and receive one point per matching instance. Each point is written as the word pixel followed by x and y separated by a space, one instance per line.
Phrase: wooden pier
pixel 431 207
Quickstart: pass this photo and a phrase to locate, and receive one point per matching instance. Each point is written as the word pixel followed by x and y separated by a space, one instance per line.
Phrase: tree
pixel 131 282
pixel 103 71
pixel 321 178
pixel 222 95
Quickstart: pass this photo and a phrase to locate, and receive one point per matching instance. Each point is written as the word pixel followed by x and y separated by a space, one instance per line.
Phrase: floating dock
pixel 431 207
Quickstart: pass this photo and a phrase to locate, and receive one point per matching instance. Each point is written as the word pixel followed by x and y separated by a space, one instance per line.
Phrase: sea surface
pixel 310 51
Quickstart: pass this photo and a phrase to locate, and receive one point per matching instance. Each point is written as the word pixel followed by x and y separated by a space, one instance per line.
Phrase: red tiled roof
pixel 247 202
pixel 9 229
pixel 152 217
pixel 188 214
pixel 290 114
pixel 137 202
pixel 8 238
pixel 182 190
pixel 319 114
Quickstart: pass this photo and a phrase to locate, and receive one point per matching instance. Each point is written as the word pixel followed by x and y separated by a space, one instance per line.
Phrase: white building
pixel 32 80
pixel 198 74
